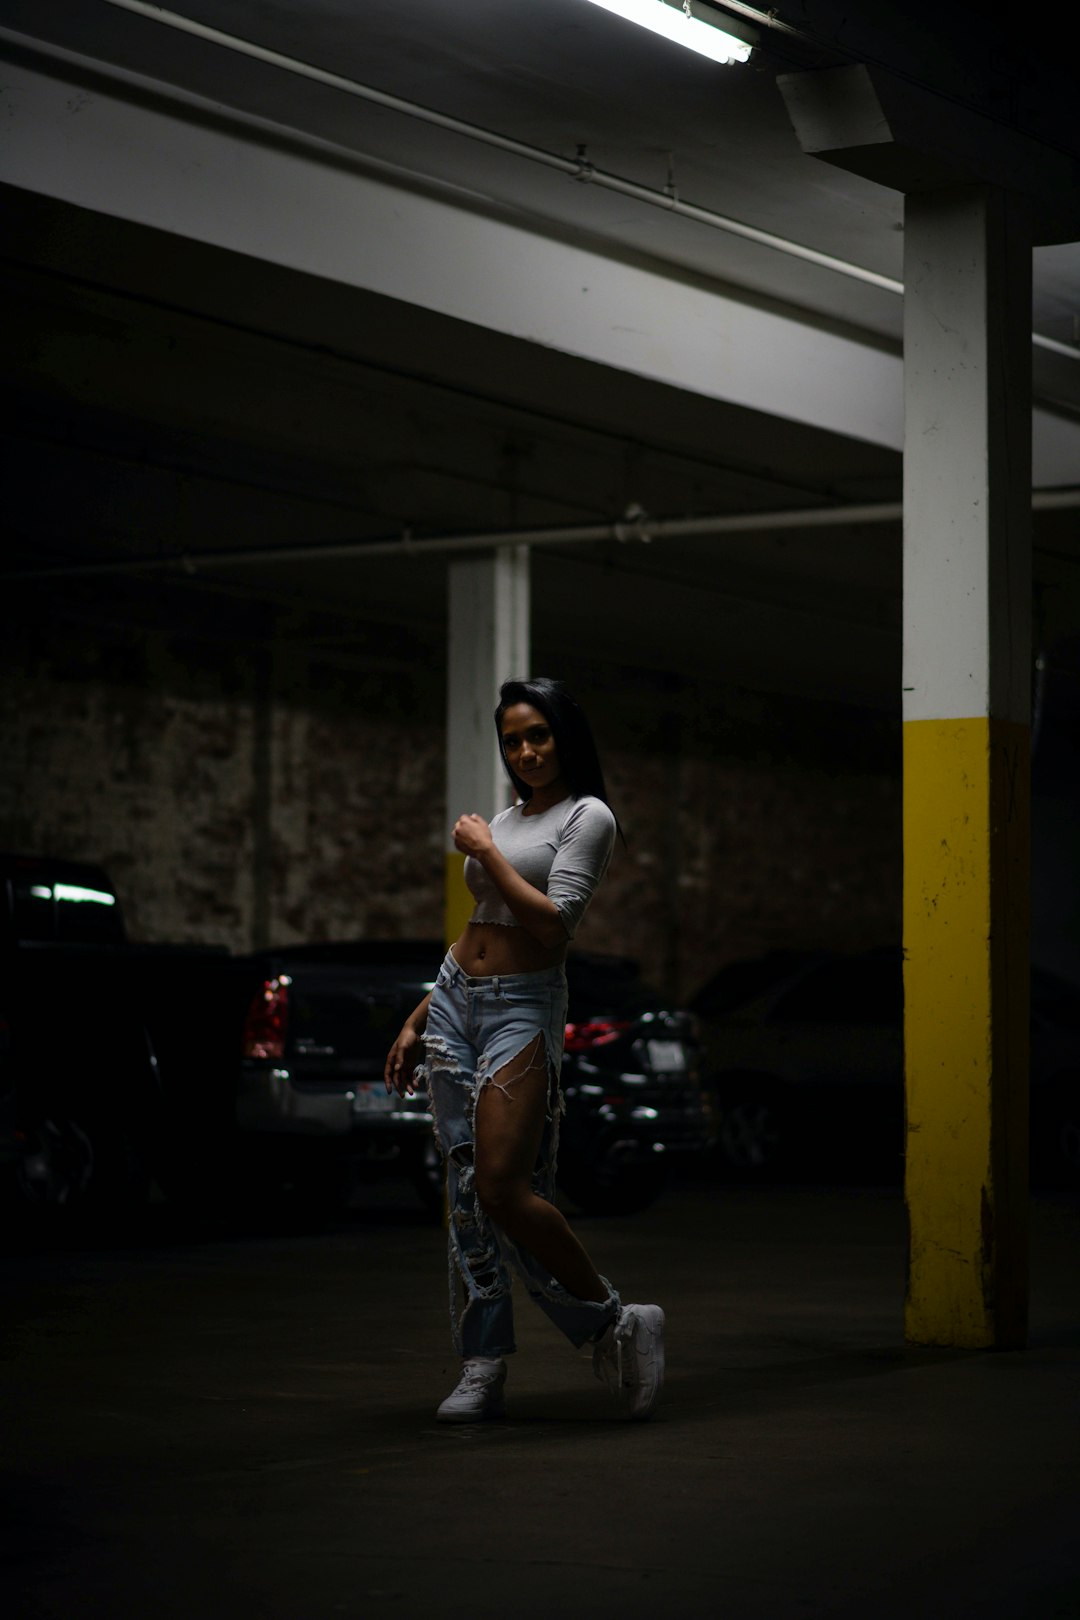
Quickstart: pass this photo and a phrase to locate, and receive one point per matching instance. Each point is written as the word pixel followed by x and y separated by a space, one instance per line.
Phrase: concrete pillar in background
pixel 967 654
pixel 488 643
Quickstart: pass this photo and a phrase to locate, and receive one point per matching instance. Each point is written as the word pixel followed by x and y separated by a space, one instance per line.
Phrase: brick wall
pixel 154 785
pixel 729 857
pixel 240 798
pixel 357 826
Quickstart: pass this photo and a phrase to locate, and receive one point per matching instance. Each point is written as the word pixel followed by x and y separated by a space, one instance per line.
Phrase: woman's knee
pixel 500 1194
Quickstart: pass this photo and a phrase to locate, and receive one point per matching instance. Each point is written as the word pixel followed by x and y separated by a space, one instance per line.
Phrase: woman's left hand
pixel 472 836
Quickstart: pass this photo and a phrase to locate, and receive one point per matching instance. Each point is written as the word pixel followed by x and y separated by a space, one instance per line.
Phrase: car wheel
pixel 752 1135
pixel 70 1168
pixel 56 1165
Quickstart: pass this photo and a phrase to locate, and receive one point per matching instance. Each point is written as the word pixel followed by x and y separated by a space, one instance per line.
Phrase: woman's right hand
pixel 401 1062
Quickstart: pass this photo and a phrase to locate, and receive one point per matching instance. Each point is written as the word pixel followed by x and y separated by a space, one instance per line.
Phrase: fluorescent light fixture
pixel 686 23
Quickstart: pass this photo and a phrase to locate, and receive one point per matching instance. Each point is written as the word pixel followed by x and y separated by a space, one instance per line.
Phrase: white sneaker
pixel 629 1358
pixel 479 1393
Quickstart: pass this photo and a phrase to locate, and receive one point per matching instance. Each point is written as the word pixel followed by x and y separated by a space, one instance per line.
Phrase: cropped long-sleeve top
pixel 563 852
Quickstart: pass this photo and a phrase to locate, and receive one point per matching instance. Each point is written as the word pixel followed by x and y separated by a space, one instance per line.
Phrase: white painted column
pixel 967 456
pixel 966 680
pixel 488 605
pixel 978 195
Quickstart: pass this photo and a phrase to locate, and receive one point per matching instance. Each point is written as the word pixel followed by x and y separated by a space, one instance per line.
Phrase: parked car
pixel 89 1016
pixel 804 1058
pixel 311 1107
pixel 631 1080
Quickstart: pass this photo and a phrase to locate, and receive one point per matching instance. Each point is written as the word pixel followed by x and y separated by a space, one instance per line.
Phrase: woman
pixel 491 1034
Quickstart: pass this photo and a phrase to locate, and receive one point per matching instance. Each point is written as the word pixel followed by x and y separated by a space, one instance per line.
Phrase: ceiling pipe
pixel 636 528
pixel 578 168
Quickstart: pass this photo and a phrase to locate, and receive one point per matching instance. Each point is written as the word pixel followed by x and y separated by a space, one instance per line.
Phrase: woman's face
pixel 529 746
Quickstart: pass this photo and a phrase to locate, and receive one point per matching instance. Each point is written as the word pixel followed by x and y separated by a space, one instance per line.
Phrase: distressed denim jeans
pixel 475 1026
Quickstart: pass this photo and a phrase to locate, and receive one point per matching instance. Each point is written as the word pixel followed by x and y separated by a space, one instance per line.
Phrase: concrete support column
pixel 488 643
pixel 967 607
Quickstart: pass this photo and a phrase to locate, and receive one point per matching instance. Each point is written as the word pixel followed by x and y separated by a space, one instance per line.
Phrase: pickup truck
pixel 96 1029
pixel 312 1112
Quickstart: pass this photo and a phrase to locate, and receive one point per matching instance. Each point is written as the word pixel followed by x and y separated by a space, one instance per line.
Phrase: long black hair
pixel 572 734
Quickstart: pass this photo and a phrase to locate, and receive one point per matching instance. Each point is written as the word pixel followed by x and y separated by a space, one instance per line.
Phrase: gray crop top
pixel 563 852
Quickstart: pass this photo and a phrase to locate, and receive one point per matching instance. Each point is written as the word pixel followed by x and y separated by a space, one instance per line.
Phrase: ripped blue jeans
pixel 474 1027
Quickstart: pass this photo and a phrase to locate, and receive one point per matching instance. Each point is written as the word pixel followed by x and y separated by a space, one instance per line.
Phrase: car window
pixel 856 990
pixel 87 914
pixel 45 907
pixel 32 908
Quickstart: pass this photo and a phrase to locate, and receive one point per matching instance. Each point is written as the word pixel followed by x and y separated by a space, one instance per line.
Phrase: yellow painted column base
pixel 966 862
pixel 458 903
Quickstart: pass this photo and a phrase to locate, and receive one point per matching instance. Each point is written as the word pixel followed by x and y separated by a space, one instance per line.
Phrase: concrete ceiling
pixel 160 386
pixel 560 75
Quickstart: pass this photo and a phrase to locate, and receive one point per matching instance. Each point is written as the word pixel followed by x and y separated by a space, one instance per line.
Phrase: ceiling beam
pixel 199 173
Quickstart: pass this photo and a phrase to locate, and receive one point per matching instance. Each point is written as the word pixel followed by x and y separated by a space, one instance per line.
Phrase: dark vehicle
pixel 87 1016
pixel 631 1080
pixel 804 1057
pixel 311 1108
pixel 10 1138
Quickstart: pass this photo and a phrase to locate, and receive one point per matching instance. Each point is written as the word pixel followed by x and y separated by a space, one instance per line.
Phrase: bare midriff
pixel 485 948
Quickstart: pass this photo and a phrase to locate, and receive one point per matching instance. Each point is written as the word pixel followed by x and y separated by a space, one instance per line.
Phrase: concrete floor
pixel 211 1424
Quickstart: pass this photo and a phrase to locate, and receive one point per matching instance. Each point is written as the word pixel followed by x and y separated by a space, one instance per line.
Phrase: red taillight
pixel 579 1037
pixel 267 1021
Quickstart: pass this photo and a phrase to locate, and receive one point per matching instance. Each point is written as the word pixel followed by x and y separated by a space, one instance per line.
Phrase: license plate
pixel 666 1057
pixel 372 1097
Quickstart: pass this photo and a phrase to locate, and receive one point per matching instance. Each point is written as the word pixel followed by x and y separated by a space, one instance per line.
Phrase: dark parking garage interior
pixel 245 447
